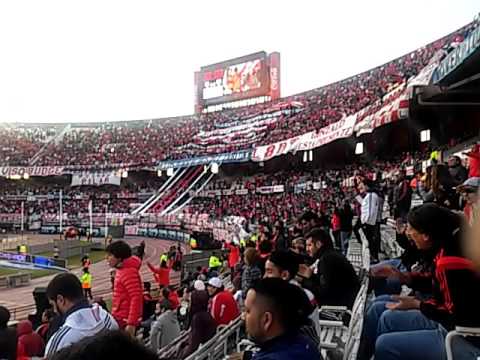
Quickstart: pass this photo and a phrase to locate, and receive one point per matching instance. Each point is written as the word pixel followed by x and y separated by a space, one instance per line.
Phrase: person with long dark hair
pixel 409 325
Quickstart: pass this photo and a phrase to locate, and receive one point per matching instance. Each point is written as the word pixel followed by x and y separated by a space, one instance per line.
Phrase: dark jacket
pixel 287 347
pixel 250 275
pixel 455 292
pixel 335 281
pixel 458 173
pixel 203 326
pixel 281 243
pixel 8 344
pixel 346 218
pixel 402 194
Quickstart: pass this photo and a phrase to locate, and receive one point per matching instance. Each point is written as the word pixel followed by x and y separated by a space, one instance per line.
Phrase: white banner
pixel 270 189
pixel 9 171
pixel 311 140
pixel 95 179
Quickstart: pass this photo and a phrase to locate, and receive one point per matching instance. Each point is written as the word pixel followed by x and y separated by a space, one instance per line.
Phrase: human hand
pixel 403 303
pixel 305 271
pixel 130 330
pixel 385 271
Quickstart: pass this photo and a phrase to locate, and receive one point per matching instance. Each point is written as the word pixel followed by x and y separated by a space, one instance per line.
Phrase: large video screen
pixel 234 80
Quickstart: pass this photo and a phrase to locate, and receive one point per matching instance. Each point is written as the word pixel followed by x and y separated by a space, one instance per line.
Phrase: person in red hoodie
pixel 233 256
pixel 127 301
pixel 223 307
pixel 171 295
pixel 474 162
pixel 161 274
pixel 29 343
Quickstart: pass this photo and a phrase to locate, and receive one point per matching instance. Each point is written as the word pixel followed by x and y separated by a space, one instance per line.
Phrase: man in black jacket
pixel 8 336
pixel 331 278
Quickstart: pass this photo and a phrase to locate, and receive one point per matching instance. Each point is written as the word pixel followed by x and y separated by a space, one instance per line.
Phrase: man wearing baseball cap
pixel 223 307
pixel 469 191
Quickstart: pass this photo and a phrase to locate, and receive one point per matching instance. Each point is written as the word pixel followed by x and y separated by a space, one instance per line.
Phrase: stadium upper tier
pixel 147 142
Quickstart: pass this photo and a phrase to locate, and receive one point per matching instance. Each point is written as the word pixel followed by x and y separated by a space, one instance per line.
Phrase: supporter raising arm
pixel 161 274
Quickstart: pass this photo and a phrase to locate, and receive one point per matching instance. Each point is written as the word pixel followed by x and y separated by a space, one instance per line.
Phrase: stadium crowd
pixel 303 248
pixel 145 143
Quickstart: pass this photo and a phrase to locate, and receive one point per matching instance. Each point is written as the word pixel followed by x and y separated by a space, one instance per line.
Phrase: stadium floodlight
pixel 214 168
pixel 359 148
pixel 124 174
pixel 425 135
pixel 169 171
pixel 159 173
pixel 26 176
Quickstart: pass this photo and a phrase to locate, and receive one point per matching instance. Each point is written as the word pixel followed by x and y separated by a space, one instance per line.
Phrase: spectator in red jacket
pixel 474 162
pixel 233 256
pixel 127 301
pixel 172 296
pixel 29 343
pixel 161 274
pixel 42 330
pixel 223 308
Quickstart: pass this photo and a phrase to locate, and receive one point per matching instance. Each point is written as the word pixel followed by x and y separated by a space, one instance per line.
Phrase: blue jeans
pixel 344 239
pixel 409 335
pixel 370 325
pixel 390 285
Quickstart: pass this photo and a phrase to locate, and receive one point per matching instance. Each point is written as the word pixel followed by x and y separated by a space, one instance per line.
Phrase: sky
pixel 95 60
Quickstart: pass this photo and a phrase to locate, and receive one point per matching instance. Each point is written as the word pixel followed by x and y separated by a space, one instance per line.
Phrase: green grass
pixel 35 273
pixel 72 262
pixel 8 271
pixel 75 261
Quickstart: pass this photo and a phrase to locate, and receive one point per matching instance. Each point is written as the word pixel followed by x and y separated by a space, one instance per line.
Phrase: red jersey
pixel 224 308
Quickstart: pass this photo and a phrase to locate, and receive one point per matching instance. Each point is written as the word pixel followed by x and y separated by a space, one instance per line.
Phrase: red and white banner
pixel 9 171
pixel 10 218
pixel 311 140
pixel 95 179
pixel 131 230
pixel 270 189
pixel 394 107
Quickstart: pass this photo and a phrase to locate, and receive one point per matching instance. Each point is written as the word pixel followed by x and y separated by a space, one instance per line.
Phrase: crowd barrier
pixel 222 344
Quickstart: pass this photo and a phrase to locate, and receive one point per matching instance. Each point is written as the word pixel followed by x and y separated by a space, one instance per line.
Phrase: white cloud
pixel 116 60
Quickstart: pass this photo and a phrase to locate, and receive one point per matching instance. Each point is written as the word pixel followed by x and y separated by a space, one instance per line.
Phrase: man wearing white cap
pixel 223 307
pixel 469 191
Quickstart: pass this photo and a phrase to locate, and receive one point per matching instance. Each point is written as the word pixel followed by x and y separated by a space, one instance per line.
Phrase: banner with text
pixel 95 179
pixel 270 189
pixel 21 171
pixel 311 140
pixel 235 157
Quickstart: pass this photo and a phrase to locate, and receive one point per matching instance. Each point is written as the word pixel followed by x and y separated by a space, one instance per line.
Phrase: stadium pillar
pixel 61 212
